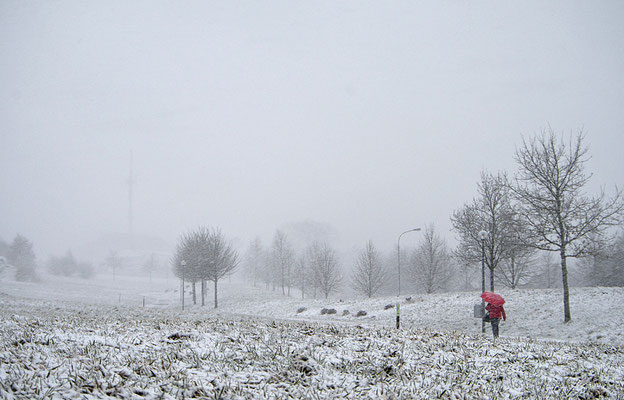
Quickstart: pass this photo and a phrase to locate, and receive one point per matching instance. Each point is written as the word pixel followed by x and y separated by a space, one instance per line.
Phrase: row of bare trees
pixel 315 270
pixel 543 207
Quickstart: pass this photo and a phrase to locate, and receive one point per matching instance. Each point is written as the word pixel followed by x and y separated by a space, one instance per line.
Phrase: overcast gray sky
pixel 373 117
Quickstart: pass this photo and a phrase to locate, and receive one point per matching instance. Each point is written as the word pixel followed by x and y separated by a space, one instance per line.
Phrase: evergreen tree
pixel 4 248
pixel 22 257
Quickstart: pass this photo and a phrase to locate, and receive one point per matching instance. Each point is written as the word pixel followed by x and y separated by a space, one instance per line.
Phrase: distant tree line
pixel 67 265
pixel 524 227
pixel 20 255
pixel 540 209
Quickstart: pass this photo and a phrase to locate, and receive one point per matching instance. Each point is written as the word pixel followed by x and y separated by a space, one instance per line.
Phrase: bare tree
pixel 547 272
pixel 492 212
pixel 467 272
pixel 516 268
pixel 113 261
pixel 255 260
pixel 615 262
pixel 605 266
pixel 188 259
pixel 431 262
pixel 206 255
pixel 325 268
pixel 559 216
pixel 283 257
pixel 369 275
pixel 303 274
pixel 150 265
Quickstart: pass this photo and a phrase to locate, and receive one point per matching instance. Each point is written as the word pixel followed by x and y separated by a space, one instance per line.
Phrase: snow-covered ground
pixel 597 313
pixel 66 338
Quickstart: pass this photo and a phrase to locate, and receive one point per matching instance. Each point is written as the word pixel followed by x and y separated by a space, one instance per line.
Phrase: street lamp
pixel 483 236
pixel 399 255
pixel 183 264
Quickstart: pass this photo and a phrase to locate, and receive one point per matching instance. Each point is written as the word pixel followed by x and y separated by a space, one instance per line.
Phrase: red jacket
pixel 496 311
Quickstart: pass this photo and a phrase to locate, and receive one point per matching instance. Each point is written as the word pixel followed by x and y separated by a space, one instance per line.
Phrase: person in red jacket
pixel 495 313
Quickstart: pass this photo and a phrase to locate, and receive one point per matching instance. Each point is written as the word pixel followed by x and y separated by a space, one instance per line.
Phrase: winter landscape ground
pixel 69 338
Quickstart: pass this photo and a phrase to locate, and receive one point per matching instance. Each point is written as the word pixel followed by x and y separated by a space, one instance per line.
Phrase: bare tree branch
pixel 559 216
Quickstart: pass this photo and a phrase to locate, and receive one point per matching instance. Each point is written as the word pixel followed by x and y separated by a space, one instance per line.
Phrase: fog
pixel 370 118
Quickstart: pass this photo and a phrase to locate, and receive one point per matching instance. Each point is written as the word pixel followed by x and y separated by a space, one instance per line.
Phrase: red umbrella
pixel 493 298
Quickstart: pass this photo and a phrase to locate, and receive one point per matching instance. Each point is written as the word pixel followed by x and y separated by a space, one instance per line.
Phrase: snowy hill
pixel 597 314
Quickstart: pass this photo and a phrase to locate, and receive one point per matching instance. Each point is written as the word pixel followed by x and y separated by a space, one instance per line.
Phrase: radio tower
pixel 131 182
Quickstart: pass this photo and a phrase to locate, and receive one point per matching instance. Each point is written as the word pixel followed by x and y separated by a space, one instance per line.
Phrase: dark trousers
pixel 495 322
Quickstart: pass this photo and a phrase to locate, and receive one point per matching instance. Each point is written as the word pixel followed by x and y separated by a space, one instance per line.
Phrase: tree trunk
pixel 513 272
pixel 203 292
pixel 194 295
pixel 566 291
pixel 491 280
pixel 216 303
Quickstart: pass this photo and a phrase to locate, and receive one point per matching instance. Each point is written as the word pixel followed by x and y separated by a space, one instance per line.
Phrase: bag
pixel 486 317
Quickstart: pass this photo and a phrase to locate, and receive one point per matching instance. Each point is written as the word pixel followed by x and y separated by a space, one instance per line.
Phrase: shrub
pixel 361 313
pixel 85 270
pixel 67 265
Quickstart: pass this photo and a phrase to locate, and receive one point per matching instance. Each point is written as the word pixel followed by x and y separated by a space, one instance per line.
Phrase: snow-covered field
pixel 94 339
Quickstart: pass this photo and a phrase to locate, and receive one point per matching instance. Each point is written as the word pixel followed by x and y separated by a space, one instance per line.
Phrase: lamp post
pixel 483 236
pixel 399 255
pixel 183 264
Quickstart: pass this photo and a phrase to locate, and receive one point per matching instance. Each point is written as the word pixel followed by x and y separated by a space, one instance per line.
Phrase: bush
pixel 86 270
pixel 361 313
pixel 69 266
pixel 65 266
pixel 331 311
pixel 301 309
pixel 388 306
